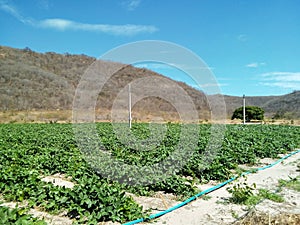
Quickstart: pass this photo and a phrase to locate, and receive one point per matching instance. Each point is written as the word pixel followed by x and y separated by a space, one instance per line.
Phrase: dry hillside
pixel 36 81
pixel 31 81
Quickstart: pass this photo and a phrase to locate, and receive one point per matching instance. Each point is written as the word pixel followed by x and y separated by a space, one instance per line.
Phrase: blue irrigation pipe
pixel 153 216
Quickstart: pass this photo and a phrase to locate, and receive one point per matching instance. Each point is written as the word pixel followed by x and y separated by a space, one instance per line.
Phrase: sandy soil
pixel 217 210
pixel 59 180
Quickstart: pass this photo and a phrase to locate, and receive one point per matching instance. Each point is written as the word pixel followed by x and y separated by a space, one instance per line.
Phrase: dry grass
pixel 255 218
pixel 65 116
pixel 36 116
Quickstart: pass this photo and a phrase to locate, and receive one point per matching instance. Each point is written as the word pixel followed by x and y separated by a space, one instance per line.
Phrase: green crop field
pixel 29 152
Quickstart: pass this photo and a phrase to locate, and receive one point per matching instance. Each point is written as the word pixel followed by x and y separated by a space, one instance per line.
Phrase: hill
pixel 44 82
pixel 32 81
pixel 284 106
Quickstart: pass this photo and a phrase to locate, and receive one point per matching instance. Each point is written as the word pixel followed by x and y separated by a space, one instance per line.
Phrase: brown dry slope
pixel 31 81
pixel 46 82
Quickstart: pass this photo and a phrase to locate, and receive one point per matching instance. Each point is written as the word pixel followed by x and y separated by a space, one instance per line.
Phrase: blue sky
pixel 252 47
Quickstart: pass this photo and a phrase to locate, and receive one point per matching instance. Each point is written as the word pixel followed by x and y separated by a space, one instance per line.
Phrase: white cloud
pixel 287 85
pixel 128 29
pixel 255 64
pixel 14 12
pixel 158 65
pixel 43 4
pixel 131 4
pixel 213 85
pixel 153 65
pixel 242 37
pixel 282 76
pixel 252 65
pixel 59 24
pixel 289 80
pixel 63 24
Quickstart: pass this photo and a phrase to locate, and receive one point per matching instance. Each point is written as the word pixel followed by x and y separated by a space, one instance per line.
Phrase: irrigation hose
pixel 153 216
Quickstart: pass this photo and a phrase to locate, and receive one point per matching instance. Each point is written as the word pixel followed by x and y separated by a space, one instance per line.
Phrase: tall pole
pixel 244 110
pixel 129 106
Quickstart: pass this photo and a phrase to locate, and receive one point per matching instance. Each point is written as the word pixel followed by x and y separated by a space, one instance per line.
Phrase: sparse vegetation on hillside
pixel 34 81
pixel 277 107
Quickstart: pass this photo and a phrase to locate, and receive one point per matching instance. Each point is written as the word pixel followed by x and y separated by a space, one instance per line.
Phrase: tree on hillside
pixel 252 113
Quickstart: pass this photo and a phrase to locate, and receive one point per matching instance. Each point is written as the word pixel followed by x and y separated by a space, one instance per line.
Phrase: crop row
pixel 29 152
